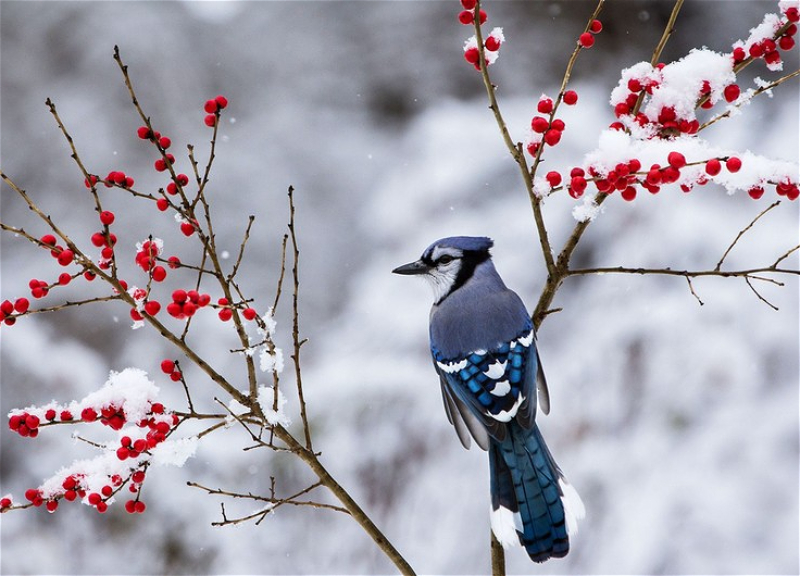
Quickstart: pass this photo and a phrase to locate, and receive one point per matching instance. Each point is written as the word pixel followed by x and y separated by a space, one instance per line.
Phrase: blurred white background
pixel 677 423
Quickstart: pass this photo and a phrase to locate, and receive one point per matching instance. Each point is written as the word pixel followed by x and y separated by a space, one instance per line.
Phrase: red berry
pixel 187 228
pixel 5 503
pixel 595 27
pixel 179 296
pixel 65 416
pixel 558 124
pixel 492 44
pixel 31 494
pixel 152 307
pixel 225 314
pixel 756 192
pixel 249 313
pixel 144 132
pixel 570 96
pixel 553 178
pixel 48 240
pixel 174 262
pixel 786 42
pixel 482 16
pixel 539 124
pixel 466 17
pixel 137 477
pixel 107 217
pixel 468 4
pixel 552 137
pixel 221 101
pixel 50 415
pixel 88 415
pixel 772 57
pixel 162 204
pixel 586 40
pixel 160 165
pixel 52 505
pixel 130 507
pixel 139 507
pixel 733 164
pixel 793 14
pixel 210 120
pixel 628 193
pixel 159 273
pixel 676 160
pixel 731 92
pixel 472 55
pixel 21 305
pixel 102 507
pixel 66 257
pixel 135 316
pixel 545 105
pixel 713 167
pixel 164 142
pixel 64 279
pixel 182 179
pixel 210 106
pixel 756 51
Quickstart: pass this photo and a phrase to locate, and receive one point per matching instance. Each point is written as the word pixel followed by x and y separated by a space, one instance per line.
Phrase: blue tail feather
pixel 525 481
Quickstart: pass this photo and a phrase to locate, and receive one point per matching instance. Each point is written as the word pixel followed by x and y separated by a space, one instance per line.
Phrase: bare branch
pixel 743 232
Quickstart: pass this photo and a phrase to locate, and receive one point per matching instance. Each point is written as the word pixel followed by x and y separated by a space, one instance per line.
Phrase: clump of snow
pixel 271 361
pixel 175 452
pixel 267 400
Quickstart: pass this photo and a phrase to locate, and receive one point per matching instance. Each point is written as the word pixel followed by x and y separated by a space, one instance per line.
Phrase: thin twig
pixel 743 232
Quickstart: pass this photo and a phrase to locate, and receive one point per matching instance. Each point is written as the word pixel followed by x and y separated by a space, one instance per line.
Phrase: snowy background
pixel 677 423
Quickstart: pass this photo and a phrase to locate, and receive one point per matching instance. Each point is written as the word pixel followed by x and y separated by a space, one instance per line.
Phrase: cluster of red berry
pixel 548 129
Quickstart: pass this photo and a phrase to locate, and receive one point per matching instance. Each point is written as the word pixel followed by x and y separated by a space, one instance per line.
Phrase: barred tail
pixel 532 503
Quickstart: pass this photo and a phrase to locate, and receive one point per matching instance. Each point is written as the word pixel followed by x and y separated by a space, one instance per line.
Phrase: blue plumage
pixel 484 350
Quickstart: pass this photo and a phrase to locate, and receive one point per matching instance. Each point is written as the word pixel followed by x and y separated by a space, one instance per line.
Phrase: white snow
pixel 266 399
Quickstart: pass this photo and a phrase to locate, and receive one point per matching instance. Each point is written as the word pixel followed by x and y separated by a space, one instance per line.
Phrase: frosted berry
pixel 88 415
pixel 472 55
pixel 492 44
pixel 570 96
pixel 586 40
pixel 545 106
pixel 756 192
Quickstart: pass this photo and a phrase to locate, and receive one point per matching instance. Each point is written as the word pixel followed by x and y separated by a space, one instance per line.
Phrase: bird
pixel 483 346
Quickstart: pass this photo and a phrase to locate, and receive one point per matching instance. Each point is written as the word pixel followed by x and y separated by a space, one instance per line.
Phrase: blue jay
pixel 484 350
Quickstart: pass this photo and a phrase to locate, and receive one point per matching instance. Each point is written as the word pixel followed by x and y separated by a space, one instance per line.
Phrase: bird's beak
pixel 418 267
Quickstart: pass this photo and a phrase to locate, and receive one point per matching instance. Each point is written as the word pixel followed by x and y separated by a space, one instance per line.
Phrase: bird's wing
pixel 463 420
pixel 489 388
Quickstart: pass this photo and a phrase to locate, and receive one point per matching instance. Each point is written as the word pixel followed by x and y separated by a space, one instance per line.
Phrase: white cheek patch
pixel 442 279
pixel 452 367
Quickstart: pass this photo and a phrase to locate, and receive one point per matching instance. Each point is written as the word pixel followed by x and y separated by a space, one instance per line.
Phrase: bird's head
pixel 448 263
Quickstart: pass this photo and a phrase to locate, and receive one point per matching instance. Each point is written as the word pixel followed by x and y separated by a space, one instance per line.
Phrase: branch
pixel 743 232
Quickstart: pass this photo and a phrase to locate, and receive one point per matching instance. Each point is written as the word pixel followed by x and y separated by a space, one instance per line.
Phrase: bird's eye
pixel 445 259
